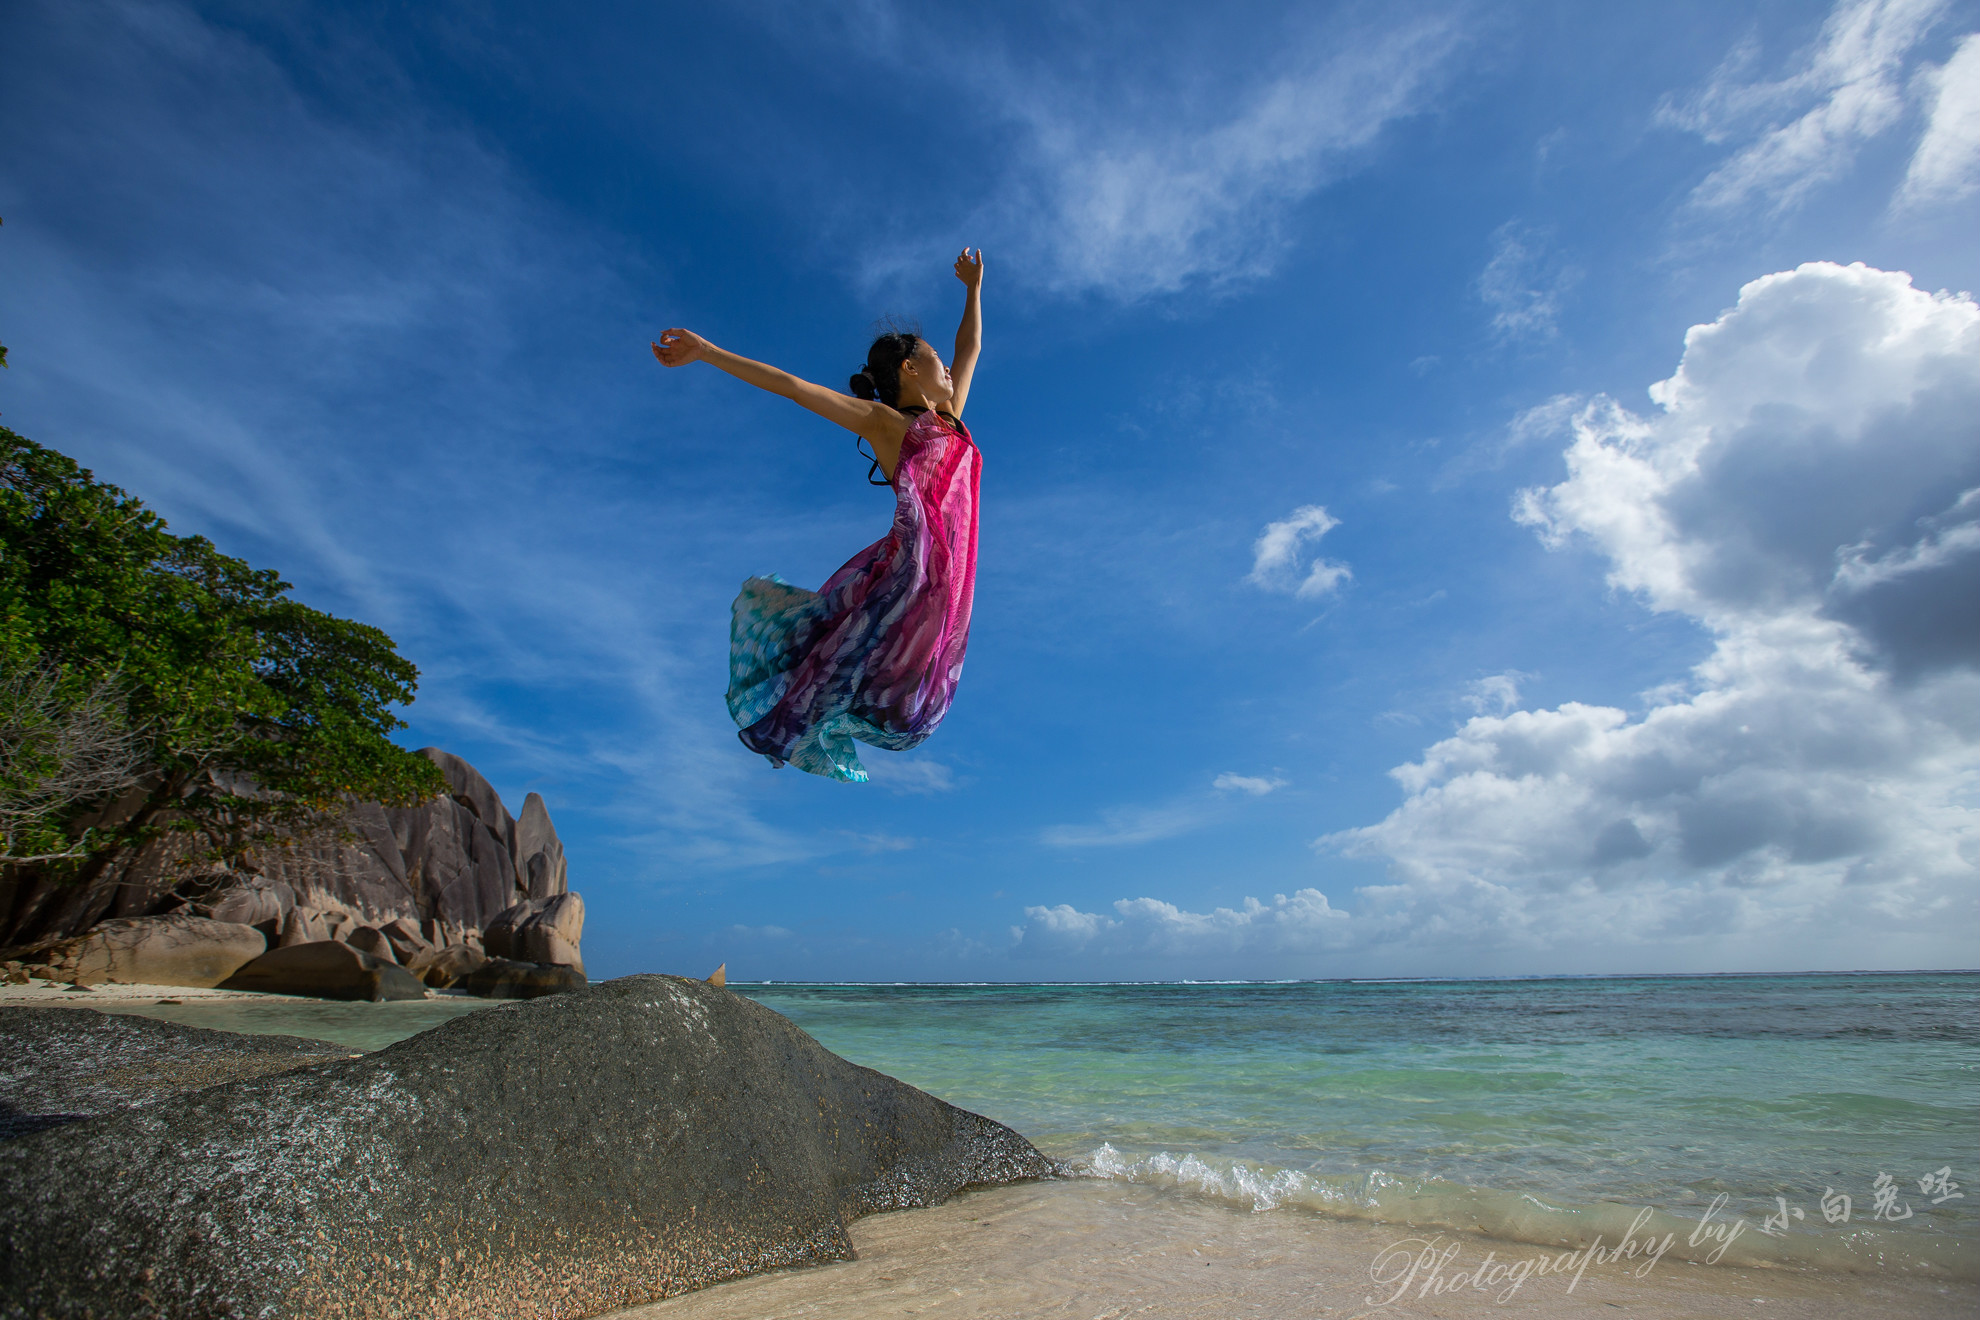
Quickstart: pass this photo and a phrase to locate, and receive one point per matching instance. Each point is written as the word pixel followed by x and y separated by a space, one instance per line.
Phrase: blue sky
pixel 1347 603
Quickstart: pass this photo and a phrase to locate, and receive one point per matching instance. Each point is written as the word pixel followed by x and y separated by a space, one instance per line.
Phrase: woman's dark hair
pixel 880 378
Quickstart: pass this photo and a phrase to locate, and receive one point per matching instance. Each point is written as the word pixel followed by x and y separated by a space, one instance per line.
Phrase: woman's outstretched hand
pixel 969 268
pixel 679 347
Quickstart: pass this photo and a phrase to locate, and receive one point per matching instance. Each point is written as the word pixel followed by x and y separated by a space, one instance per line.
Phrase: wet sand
pixel 110 995
pixel 358 1024
pixel 1099 1250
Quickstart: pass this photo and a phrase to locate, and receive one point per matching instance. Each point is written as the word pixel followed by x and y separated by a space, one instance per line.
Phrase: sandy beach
pixel 1100 1250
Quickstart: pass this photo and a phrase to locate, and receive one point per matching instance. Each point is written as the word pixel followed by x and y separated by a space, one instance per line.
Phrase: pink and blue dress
pixel 874 655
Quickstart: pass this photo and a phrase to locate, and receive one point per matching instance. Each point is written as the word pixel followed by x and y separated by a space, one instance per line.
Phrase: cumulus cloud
pixel 1279 562
pixel 1802 130
pixel 1148 927
pixel 1813 456
pixel 1807 491
pixel 1946 165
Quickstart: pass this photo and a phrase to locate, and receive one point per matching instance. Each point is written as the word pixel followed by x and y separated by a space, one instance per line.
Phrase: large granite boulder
pixel 58 1065
pixel 541 930
pixel 509 978
pixel 263 904
pixel 180 949
pixel 441 968
pixel 457 860
pixel 540 862
pixel 371 940
pixel 327 969
pixel 302 926
pixel 405 938
pixel 564 1156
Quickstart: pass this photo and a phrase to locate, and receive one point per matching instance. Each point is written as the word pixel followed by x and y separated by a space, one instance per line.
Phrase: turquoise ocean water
pixel 1542 1111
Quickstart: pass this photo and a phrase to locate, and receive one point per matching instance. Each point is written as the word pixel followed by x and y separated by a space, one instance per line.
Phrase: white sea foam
pixel 1255 1187
pixel 1522 1217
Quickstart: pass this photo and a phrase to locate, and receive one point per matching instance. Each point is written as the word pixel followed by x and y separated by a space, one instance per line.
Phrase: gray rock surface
pixel 326 970
pixel 58 1065
pixel 564 1156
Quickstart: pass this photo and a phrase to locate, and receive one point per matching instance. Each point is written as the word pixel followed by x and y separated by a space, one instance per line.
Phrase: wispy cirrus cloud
pixel 1946 166
pixel 1127 826
pixel 1120 827
pixel 1253 785
pixel 1803 129
pixel 1117 184
pixel 1524 283
pixel 912 775
pixel 1133 207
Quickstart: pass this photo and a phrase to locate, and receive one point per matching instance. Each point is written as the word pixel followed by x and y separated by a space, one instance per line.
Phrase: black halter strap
pixel 873 473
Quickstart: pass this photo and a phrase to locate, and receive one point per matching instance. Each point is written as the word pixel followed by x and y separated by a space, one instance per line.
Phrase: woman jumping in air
pixel 875 653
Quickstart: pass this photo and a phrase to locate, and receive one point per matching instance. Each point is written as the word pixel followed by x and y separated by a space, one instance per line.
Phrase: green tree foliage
pixel 252 713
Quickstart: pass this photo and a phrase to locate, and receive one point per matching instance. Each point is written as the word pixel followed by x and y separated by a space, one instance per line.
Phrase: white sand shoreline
pixel 1102 1250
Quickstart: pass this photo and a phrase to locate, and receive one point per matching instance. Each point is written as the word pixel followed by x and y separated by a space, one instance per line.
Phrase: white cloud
pixel 1278 563
pixel 1497 693
pixel 1803 130
pixel 1135 206
pixel 1148 927
pixel 1815 452
pixel 1253 785
pixel 1524 283
pixel 900 774
pixel 1946 165
pixel 1809 491
pixel 1126 826
pixel 1144 175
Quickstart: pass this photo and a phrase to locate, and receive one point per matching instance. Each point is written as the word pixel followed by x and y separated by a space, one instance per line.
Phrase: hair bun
pixel 863 384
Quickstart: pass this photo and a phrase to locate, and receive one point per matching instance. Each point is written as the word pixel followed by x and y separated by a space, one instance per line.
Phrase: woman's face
pixel 928 373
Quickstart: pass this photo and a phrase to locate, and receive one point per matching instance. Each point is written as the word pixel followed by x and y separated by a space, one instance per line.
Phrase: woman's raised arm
pixel 864 417
pixel 969 335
